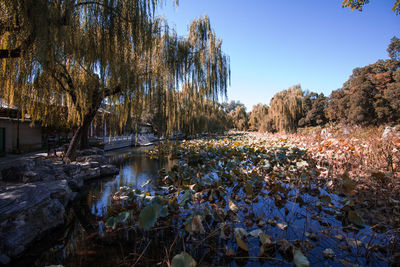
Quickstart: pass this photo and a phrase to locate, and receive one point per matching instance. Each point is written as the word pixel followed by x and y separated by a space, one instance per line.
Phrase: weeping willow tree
pixel 70 56
pixel 195 114
pixel 258 118
pixel 286 109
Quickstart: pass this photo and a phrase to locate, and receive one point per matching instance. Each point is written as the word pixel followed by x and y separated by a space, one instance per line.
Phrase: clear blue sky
pixel 276 44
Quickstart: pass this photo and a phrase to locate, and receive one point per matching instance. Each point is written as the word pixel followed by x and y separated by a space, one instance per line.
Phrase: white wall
pixel 29 137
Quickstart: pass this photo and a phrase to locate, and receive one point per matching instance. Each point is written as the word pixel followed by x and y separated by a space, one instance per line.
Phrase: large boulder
pixel 30 210
pixel 93 158
pixel 15 172
pixel 90 151
pixel 108 170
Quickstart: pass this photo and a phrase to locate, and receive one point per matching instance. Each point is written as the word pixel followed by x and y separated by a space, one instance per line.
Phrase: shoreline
pixel 36 193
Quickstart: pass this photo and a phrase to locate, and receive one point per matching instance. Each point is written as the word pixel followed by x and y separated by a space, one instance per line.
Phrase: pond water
pixel 86 242
pixel 81 242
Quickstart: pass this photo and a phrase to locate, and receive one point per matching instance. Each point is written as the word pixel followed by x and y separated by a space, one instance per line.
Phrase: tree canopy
pixel 370 96
pixel 257 118
pixel 394 48
pixel 358 5
pixel 286 109
pixel 74 55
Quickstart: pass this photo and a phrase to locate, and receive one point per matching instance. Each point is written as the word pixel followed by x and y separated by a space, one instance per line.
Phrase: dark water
pixel 82 241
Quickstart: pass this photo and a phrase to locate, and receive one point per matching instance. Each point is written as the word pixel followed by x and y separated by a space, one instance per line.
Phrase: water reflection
pixel 80 243
pixel 135 170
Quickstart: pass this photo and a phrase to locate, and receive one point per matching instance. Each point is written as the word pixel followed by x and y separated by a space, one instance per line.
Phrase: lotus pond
pixel 236 200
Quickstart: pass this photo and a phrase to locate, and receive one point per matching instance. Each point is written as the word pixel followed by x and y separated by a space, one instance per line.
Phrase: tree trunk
pixel 84 137
pixel 80 132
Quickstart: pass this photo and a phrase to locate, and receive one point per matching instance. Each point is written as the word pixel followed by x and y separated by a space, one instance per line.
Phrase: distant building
pixel 17 134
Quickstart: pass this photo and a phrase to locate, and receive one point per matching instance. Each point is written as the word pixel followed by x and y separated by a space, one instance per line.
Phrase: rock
pixel 93 158
pixel 14 174
pixel 31 210
pixel 28 211
pixel 97 158
pixel 92 173
pixel 90 151
pixel 94 164
pixel 76 184
pixel 71 169
pixel 84 166
pixel 108 170
pixel 30 176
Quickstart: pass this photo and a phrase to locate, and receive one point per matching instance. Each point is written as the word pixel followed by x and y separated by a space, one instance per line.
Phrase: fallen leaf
pixel 233 207
pixel 328 253
pixel 197 225
pixel 283 226
pixel 355 218
pixel 241 232
pixel 299 259
pixel 348 185
pixel 183 260
pixel 255 233
pixel 240 241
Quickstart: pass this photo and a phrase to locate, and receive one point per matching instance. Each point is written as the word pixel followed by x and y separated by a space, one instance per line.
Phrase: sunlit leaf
pixel 282 225
pixel 232 206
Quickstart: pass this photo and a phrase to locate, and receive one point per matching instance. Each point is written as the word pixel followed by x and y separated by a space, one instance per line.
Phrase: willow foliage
pixel 258 118
pixel 286 108
pixel 72 55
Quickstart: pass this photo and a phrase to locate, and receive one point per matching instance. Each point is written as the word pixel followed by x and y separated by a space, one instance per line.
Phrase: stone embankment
pixel 35 193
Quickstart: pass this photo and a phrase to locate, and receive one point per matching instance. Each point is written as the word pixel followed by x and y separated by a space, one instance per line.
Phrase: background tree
pixel 239 118
pixel 231 106
pixel 370 96
pixel 286 108
pixel 314 109
pixel 394 48
pixel 258 118
pixel 79 54
pixel 337 105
